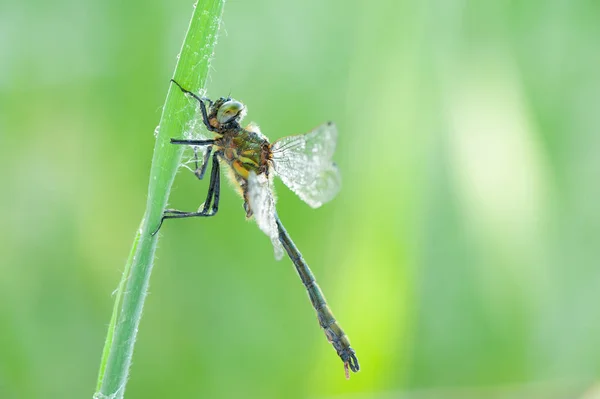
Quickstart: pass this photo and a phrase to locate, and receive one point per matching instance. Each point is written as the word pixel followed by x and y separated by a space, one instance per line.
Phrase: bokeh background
pixel 461 256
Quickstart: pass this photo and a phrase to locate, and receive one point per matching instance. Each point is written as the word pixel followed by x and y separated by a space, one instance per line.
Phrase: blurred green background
pixel 461 255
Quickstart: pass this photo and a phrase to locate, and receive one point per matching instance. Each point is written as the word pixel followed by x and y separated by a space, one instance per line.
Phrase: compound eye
pixel 229 111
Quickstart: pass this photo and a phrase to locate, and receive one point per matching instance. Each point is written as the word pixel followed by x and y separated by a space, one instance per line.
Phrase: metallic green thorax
pixel 243 149
pixel 252 149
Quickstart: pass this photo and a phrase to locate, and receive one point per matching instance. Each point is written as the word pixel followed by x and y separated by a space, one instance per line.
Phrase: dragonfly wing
pixel 304 164
pixel 262 203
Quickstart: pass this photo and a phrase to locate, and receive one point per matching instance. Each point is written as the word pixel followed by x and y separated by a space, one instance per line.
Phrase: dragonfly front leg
pixel 214 191
pixel 202 105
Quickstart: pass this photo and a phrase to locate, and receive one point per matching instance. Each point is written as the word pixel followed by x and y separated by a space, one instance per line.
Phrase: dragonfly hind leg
pixel 214 191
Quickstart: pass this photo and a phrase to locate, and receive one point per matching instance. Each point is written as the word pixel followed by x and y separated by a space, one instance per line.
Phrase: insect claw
pixel 162 219
pixel 178 85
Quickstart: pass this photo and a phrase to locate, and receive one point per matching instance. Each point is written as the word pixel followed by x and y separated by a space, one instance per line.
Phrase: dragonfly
pixel 304 164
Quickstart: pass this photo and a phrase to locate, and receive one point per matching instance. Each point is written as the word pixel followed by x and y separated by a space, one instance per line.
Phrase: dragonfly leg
pixel 212 196
pixel 202 105
pixel 247 208
pixel 192 142
pixel 216 186
pixel 200 171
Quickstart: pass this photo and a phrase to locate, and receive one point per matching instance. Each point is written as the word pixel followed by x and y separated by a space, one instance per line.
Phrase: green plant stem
pixel 117 308
pixel 191 72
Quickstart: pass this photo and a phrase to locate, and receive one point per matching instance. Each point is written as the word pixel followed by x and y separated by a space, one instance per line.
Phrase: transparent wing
pixel 262 203
pixel 304 164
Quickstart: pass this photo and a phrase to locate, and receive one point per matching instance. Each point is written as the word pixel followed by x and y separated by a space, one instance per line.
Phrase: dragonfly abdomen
pixel 333 331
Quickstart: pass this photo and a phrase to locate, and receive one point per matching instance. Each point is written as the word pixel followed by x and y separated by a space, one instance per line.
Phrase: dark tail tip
pixel 353 362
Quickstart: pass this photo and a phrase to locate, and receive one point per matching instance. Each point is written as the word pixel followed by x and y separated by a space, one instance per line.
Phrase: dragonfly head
pixel 229 110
